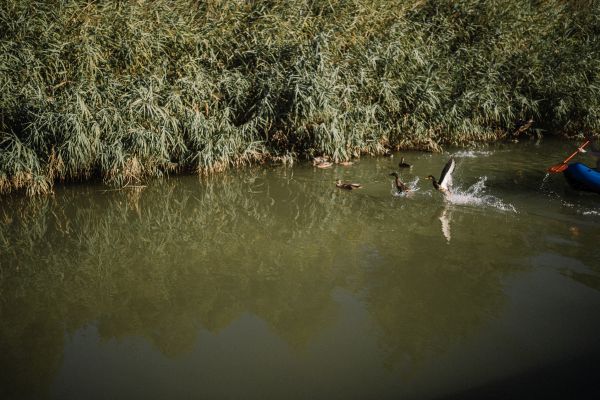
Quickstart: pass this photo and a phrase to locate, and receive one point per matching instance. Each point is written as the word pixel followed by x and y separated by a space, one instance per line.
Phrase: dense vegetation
pixel 124 90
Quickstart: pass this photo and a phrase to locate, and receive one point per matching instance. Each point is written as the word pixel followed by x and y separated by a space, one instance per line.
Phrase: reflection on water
pixel 445 218
pixel 182 257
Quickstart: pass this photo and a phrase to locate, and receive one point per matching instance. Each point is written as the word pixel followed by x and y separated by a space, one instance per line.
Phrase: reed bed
pixel 126 90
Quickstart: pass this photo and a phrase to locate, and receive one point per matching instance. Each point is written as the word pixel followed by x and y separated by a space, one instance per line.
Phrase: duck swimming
pixel 445 182
pixel 400 186
pixel 347 185
pixel 403 164
pixel 322 162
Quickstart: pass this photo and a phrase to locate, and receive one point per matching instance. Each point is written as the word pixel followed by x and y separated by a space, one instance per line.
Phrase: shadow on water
pixel 184 256
pixel 567 379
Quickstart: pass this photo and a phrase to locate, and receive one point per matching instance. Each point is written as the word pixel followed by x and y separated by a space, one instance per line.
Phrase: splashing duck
pixel 445 183
pixel 400 186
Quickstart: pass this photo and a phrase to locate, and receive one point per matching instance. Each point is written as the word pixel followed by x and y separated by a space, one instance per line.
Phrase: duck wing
pixel 445 181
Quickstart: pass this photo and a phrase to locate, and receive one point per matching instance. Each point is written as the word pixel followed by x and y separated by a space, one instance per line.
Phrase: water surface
pixel 270 282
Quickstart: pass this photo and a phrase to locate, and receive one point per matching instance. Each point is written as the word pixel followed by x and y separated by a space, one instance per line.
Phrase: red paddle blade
pixel 555 169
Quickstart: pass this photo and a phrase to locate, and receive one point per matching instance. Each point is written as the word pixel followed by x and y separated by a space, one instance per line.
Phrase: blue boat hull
pixel 582 177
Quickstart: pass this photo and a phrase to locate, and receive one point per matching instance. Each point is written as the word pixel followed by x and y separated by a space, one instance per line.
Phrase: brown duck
pixel 400 186
pixel 347 185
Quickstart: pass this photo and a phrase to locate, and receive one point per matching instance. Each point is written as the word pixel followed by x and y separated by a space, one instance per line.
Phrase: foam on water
pixel 587 210
pixel 582 210
pixel 471 153
pixel 475 196
pixel 591 212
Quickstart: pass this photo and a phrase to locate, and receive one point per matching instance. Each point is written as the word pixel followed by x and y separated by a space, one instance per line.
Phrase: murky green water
pixel 273 283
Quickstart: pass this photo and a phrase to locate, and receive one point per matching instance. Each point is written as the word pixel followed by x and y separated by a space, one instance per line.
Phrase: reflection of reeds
pixel 127 90
pixel 185 256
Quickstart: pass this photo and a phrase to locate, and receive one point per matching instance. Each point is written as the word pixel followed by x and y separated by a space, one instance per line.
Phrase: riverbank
pixel 125 91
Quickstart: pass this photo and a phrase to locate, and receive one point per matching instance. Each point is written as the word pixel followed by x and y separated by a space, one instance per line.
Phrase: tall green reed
pixel 129 90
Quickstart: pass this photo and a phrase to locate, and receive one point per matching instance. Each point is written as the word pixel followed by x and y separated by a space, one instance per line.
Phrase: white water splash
pixel 471 153
pixel 591 212
pixel 546 178
pixel 581 209
pixel 474 196
pixel 413 185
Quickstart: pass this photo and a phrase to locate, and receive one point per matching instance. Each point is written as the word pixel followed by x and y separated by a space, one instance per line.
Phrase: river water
pixel 270 282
